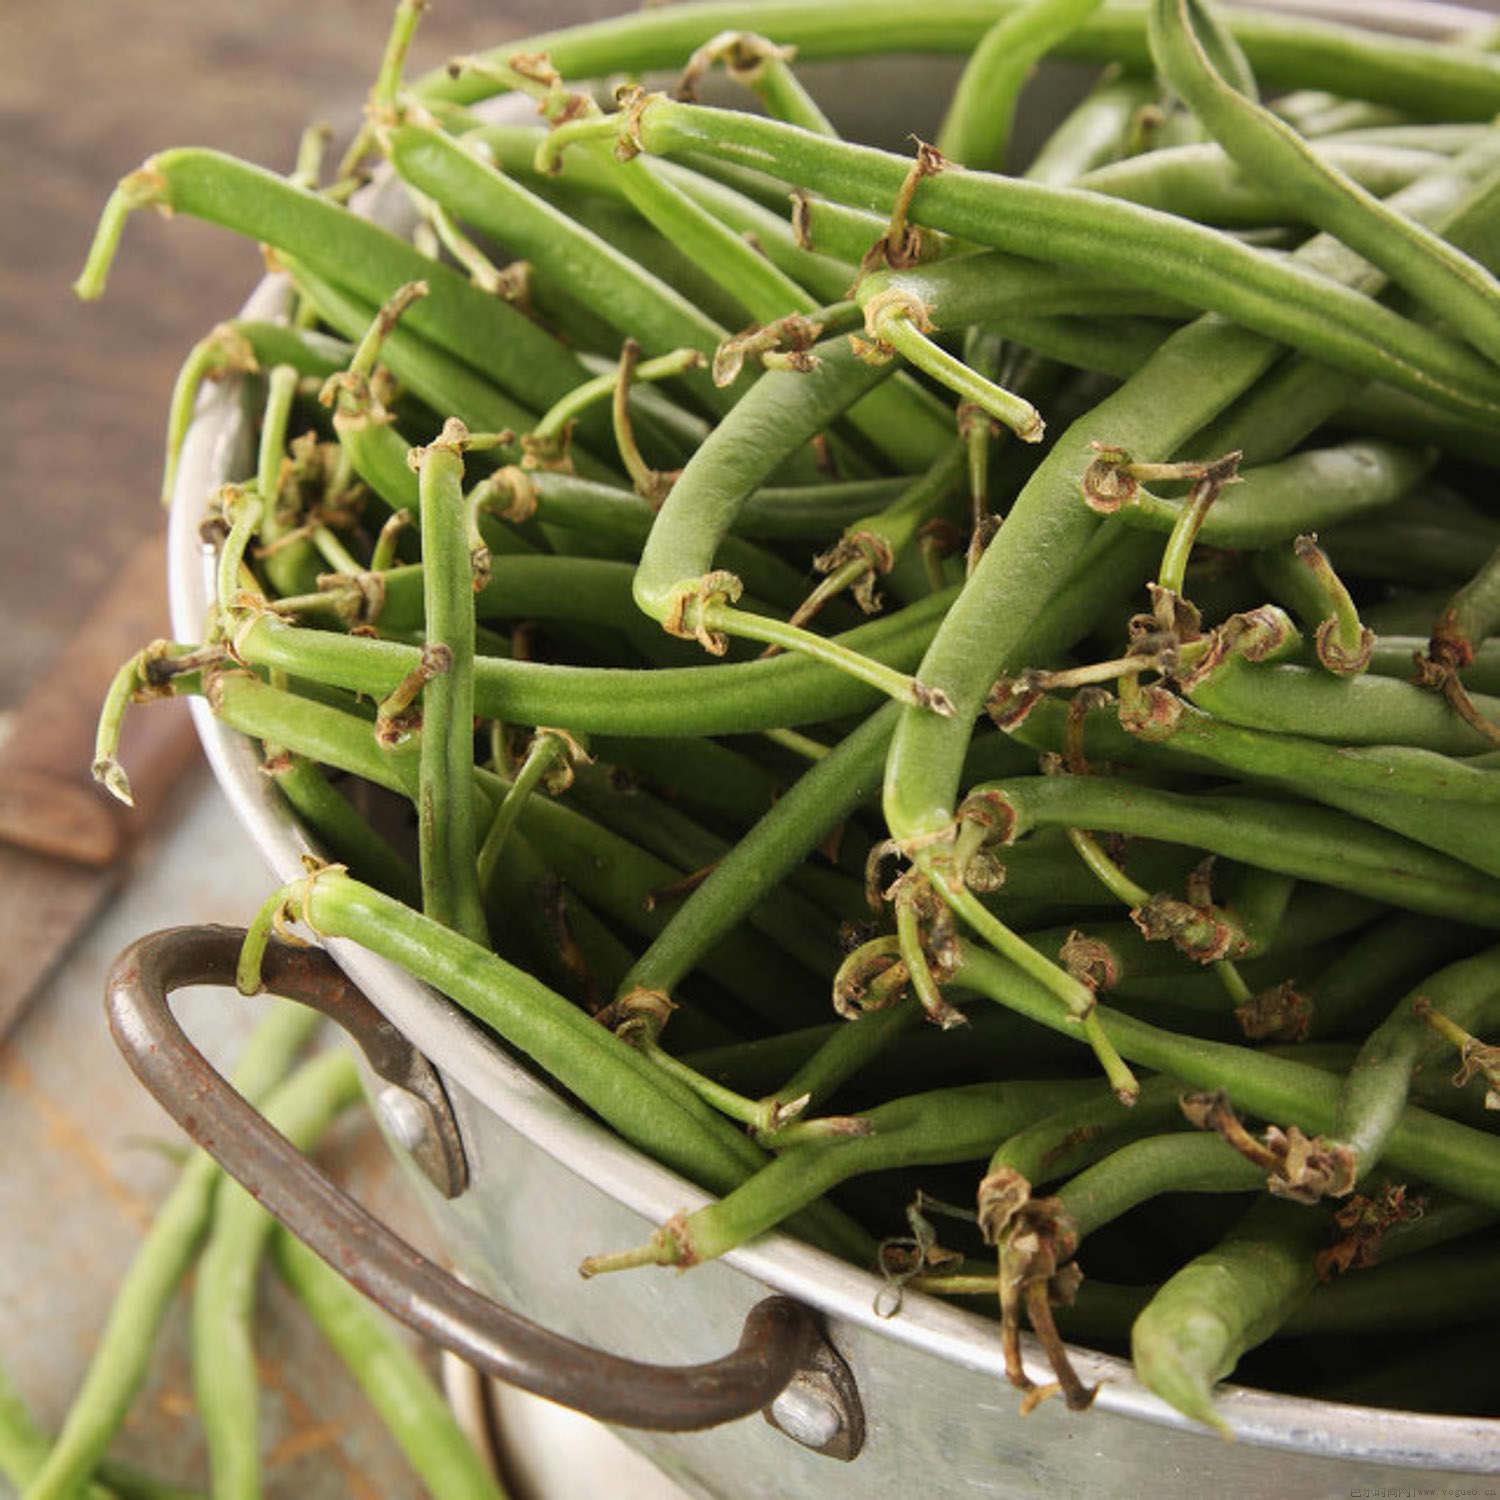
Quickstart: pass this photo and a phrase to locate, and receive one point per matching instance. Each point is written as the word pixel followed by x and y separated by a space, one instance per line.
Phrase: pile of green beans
pixel 211 1227
pixel 1140 846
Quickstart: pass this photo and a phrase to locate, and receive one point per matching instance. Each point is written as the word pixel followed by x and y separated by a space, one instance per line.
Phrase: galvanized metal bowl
pixel 548 1185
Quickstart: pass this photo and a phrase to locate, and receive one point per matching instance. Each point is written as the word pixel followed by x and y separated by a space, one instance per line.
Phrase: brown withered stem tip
pixel 1302 1168
pixel 1364 1221
pixel 1279 1014
pixel 1036 1274
pixel 1090 960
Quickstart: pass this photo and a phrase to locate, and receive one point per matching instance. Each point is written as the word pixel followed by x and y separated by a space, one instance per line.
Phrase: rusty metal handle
pixel 778 1337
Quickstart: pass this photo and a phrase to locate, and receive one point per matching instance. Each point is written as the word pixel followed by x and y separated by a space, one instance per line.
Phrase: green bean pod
pixel 1310 843
pixel 225 1381
pixel 1428 79
pixel 1376 1087
pixel 1449 282
pixel 479 330
pixel 389 1374
pixel 1223 1303
pixel 118 1367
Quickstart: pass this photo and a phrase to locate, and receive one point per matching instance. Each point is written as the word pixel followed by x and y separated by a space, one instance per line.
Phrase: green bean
pixel 389 1374
pixel 1309 843
pixel 321 732
pixel 1290 403
pixel 977 125
pixel 847 1052
pixel 1443 277
pixel 446 832
pixel 548 753
pixel 628 1092
pixel 1146 1168
pixel 1447 1155
pixel 481 331
pixel 634 302
pixel 1275 502
pixel 1426 78
pixel 952 1125
pixel 1095 133
pixel 771 514
pixel 1446 140
pixel 615 222
pixel 1070 1139
pixel 1447 1290
pixel 1311 767
pixel 739 697
pixel 24 1447
pixel 826 277
pixel 784 914
pixel 986 286
pixel 703 774
pixel 1281 300
pixel 1343 115
pixel 1222 1304
pixel 1202 182
pixel 1375 1089
pixel 224 1376
pixel 1118 347
pixel 821 798
pixel 343 833
pixel 1380 965
pixel 118 1367
pixel 617 878
pixel 1282 698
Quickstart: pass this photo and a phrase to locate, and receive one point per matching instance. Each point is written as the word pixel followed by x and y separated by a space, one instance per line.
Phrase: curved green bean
pixel 118 1367
pixel 225 1382
pixel 1451 284
pixel 389 1374
pixel 1224 1303
pixel 1425 78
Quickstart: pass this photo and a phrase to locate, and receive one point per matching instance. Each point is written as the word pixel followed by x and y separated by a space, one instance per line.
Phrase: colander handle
pixel 779 1337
